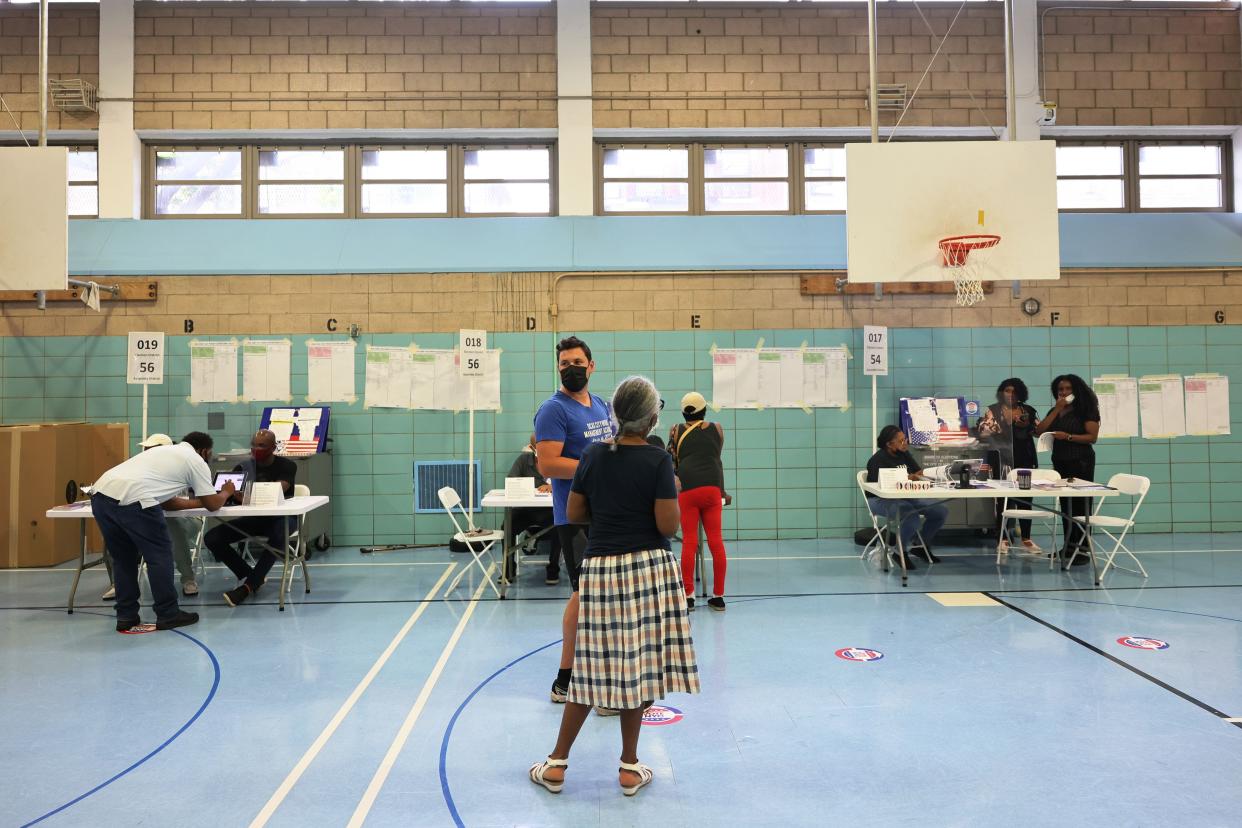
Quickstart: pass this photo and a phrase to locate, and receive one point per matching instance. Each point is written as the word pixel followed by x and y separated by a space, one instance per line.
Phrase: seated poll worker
pixel 526 465
pixel 262 467
pixel 892 454
pixel 129 502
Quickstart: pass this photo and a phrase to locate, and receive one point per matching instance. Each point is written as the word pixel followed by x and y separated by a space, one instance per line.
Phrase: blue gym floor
pixel 1027 711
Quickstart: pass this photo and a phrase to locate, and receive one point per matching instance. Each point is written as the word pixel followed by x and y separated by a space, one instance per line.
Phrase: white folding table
pixel 497 499
pixel 295 544
pixel 983 491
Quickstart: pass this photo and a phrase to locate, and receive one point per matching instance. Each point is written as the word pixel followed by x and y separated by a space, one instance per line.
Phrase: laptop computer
pixel 238 478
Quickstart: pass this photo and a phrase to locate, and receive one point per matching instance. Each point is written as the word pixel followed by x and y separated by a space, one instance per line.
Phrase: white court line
pixel 398 742
pixel 294 775
pixel 1233 720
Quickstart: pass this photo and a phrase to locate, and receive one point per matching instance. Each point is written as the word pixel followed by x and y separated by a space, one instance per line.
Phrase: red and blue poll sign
pixel 657 715
pixel 1139 642
pixel 859 654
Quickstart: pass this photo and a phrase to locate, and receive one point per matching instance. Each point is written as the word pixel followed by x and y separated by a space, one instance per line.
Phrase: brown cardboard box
pixel 36 464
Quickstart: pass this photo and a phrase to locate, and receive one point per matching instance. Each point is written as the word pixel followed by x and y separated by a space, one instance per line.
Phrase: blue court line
pixel 211 694
pixel 448 731
pixel 1130 606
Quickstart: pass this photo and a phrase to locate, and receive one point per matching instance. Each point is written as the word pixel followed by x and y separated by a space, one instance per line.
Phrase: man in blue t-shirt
pixel 568 422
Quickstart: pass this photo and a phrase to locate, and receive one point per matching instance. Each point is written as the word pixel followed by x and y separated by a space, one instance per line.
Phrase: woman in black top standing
pixel 1008 428
pixel 696 446
pixel 1075 425
pixel 633 642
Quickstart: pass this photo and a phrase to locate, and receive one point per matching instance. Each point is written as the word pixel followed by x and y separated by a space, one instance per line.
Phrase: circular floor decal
pixel 1138 642
pixel 140 629
pixel 859 654
pixel 661 715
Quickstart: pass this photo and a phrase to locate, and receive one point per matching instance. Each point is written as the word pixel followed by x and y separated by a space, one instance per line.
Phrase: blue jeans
pixel 134 534
pixel 907 511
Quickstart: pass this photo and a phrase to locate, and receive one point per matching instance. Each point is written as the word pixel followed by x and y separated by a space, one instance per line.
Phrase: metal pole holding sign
pixel 471 350
pixel 875 364
pixel 145 365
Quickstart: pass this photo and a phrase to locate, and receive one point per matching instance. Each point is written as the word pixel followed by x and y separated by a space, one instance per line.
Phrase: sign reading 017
pixel 875 350
pixel 146 358
pixel 472 350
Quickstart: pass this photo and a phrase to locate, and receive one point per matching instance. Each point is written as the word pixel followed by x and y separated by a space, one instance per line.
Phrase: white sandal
pixel 538 770
pixel 1002 547
pixel 645 775
pixel 1032 548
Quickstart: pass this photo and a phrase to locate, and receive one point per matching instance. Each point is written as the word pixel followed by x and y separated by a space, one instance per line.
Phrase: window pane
pixel 746 196
pixel 508 198
pixel 1187 159
pixel 646 197
pixel 404 198
pixel 824 162
pixel 746 162
pixel 508 164
pixel 1089 161
pixel 673 162
pixel 303 165
pixel 198 199
pixel 1180 193
pixel 825 195
pixel 83 165
pixel 185 165
pixel 302 198
pixel 84 201
pixel 1091 194
pixel 420 164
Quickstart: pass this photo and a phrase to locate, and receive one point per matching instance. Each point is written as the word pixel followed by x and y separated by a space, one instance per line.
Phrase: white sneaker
pixel 606 711
pixel 110 595
pixel 1032 548
pixel 189 588
pixel 1002 548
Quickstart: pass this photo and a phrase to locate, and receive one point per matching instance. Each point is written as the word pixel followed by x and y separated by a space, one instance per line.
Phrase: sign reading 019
pixel 472 348
pixel 146 358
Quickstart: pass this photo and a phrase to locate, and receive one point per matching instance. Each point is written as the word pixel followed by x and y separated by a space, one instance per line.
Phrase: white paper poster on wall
pixel 389 377
pixel 1207 404
pixel 213 371
pixel 330 371
pixel 265 370
pixel 1162 405
pixel 1119 414
pixel 779 378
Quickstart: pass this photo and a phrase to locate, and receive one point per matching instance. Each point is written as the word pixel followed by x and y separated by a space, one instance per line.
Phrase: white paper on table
pixel 265 370
pixel 889 478
pixel 264 494
pixel 1044 444
pixel 1207 405
pixel 1118 398
pixel 519 487
pixel 922 414
pixel 213 372
pixel 330 371
pixel 1162 404
pixel 388 377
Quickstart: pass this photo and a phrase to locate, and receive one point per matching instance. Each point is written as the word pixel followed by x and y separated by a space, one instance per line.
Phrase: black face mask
pixel 574 377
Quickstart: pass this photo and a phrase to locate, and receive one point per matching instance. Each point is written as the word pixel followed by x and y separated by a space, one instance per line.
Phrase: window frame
pixel 151 181
pixel 800 171
pixel 1131 179
pixel 94 148
pixel 691 156
pixel 791 148
pixel 258 183
pixel 1127 194
pixel 450 166
pixel 459 168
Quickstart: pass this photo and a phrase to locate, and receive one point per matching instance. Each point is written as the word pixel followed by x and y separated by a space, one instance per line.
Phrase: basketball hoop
pixel 967 269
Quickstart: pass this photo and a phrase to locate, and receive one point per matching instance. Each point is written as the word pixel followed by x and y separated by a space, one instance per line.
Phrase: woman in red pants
pixel 696 446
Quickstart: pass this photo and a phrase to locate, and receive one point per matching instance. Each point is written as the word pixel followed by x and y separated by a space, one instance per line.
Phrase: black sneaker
pixel 690 602
pixel 560 695
pixel 181 619
pixel 127 624
pixel 552 578
pixel 716 604
pixel 925 553
pixel 896 558
pixel 1082 559
pixel 234 597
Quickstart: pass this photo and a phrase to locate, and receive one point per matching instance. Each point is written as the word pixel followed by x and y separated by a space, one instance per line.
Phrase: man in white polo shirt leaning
pixel 129 501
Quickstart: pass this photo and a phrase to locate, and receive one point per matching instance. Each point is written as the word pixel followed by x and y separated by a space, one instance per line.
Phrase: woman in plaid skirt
pixel 633 643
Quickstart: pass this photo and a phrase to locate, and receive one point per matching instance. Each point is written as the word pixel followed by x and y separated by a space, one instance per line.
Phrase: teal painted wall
pixel 791 473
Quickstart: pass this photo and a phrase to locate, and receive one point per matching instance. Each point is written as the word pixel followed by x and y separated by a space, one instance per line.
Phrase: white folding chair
pixel 478 543
pixel 1136 486
pixel 877 538
pixel 1042 515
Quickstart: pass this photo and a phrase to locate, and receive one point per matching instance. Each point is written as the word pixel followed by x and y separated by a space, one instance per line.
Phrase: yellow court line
pixel 962 599
pixel 300 768
pixel 403 734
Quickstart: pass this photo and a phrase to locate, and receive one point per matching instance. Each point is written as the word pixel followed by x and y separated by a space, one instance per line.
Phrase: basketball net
pixel 965 258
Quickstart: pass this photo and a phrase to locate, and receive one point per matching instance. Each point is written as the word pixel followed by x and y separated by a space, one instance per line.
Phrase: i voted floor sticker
pixel 660 715
pixel 1139 642
pixel 859 654
pixel 139 630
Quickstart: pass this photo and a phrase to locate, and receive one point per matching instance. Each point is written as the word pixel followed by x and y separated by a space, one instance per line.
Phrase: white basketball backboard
pixel 34 218
pixel 903 198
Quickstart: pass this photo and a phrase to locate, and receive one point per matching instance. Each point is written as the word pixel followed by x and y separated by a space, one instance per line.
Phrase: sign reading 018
pixel 472 347
pixel 145 365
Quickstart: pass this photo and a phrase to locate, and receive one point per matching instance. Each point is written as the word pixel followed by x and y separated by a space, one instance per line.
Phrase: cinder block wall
pixel 73 52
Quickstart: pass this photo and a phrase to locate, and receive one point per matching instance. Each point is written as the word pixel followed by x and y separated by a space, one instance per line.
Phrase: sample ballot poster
pixel 1207 405
pixel 265 370
pixel 1119 411
pixel 779 378
pixel 330 371
pixel 1162 406
pixel 213 371
pixel 428 380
